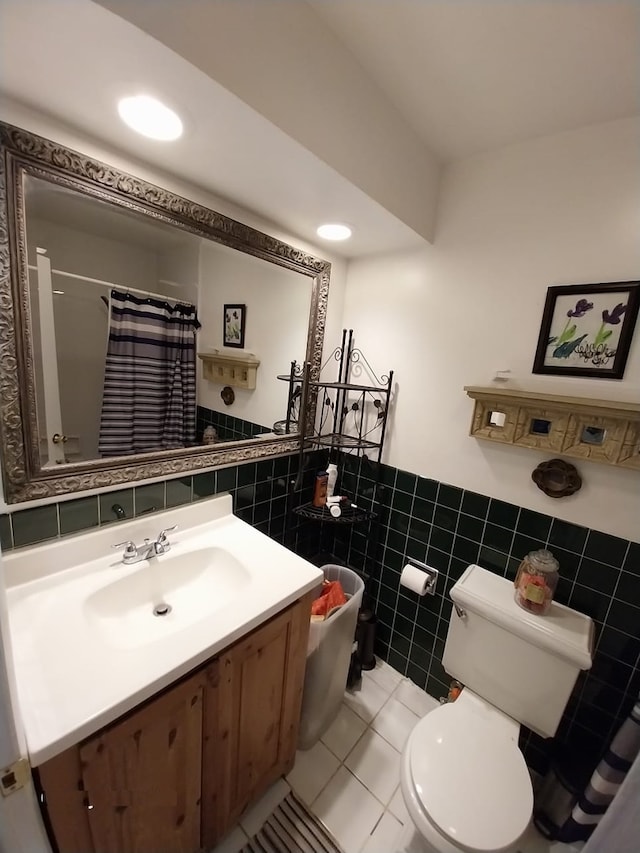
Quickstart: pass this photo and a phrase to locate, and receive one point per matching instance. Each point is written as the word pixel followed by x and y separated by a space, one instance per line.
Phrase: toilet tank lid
pixel 562 631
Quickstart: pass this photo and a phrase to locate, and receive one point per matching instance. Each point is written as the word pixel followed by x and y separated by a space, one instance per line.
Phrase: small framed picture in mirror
pixel 234 325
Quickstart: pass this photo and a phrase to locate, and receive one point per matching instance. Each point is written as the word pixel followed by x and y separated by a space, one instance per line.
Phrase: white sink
pixel 184 587
pixel 86 645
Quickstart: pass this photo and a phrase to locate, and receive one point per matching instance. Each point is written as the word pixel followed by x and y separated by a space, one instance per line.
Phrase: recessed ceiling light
pixel 334 231
pixel 150 117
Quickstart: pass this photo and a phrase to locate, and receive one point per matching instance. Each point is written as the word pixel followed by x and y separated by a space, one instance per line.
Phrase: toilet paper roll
pixel 414 579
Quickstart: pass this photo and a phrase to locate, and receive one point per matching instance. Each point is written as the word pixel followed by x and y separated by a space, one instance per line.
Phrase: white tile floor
pixel 350 778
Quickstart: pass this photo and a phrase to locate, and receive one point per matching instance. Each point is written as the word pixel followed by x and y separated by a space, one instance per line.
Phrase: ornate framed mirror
pixel 76 237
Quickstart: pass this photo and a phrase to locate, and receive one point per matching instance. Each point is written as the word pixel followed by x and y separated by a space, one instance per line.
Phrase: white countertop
pixel 71 680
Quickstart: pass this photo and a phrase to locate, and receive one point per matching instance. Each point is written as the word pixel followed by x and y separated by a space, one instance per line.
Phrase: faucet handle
pixel 130 549
pixel 162 536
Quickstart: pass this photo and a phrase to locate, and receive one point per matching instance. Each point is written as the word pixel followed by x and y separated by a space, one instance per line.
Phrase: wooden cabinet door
pixel 252 714
pixel 65 802
pixel 142 776
pixel 174 775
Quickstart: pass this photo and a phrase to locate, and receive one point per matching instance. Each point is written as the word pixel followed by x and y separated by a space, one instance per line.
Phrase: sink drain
pixel 161 609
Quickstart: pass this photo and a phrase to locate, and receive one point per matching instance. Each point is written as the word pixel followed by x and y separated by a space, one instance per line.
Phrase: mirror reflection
pixel 122 305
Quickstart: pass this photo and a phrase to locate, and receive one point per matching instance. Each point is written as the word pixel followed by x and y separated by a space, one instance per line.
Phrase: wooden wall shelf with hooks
pixel 606 431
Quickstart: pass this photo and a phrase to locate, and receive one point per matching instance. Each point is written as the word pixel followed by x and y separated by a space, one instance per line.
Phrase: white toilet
pixel 464 780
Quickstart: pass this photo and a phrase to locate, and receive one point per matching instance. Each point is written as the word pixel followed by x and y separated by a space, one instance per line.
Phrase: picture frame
pixel 233 325
pixel 587 329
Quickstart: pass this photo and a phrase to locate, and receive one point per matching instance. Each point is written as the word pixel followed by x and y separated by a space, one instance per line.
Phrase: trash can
pixel 328 657
pixel 555 798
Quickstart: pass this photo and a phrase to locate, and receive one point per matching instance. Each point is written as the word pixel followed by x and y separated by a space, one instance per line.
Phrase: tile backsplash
pixel 433 522
pixel 227 427
pixel 449 528
pixel 258 488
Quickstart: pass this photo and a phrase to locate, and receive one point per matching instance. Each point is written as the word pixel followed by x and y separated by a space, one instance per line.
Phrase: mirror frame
pixel 24 153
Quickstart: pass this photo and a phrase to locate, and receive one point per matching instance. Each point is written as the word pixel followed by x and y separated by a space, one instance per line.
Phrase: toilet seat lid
pixel 471 779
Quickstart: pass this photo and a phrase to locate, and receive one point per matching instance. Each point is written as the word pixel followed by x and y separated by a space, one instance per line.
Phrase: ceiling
pixel 71 209
pixel 472 75
pixel 462 77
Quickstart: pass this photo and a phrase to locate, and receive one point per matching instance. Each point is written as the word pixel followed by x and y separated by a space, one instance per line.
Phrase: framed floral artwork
pixel 234 323
pixel 587 329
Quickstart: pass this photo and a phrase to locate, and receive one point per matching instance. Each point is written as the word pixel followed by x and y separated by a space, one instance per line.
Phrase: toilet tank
pixel 523 664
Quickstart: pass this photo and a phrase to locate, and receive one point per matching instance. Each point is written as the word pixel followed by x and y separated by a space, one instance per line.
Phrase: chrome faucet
pixel 136 553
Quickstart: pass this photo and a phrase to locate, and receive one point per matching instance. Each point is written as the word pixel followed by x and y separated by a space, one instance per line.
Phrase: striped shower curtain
pixel 149 398
pixel 605 783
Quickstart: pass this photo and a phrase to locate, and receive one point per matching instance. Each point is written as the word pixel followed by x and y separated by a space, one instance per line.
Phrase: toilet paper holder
pixel 431 573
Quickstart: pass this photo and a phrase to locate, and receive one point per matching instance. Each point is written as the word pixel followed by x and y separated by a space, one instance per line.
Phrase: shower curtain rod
pixel 162 296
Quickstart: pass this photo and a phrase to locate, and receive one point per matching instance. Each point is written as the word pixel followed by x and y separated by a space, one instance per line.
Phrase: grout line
pixel 395 608
pixel 513 536
pixel 485 521
pixel 332 776
pixel 377 824
pixel 604 625
pixel 581 558
pixel 446 578
pixel 364 784
pixel 413 631
pixel 386 808
pixel 626 555
pixel 368 727
pixel 608 595
pixel 611 600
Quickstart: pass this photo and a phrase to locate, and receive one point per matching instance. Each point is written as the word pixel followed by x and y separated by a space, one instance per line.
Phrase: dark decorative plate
pixel 557 478
pixel 228 395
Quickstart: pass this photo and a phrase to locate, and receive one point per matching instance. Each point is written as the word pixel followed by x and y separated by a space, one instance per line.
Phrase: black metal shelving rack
pixel 351 418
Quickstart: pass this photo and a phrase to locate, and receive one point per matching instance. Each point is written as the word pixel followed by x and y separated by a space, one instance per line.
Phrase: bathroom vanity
pixel 176 772
pixel 154 732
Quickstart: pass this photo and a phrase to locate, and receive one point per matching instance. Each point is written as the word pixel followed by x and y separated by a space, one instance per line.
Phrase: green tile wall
pixel 77 515
pixel 228 427
pixel 258 489
pixel 448 528
pixel 436 523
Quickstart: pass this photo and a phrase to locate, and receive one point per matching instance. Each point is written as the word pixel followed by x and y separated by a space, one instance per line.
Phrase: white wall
pixel 21 116
pixel 179 270
pixel 20 823
pixel 82 320
pixel 15 113
pixel 278 303
pixel 288 65
pixel 557 210
pixel 82 252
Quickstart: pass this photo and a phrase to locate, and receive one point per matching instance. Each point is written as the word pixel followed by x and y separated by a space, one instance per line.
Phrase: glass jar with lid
pixel 536 581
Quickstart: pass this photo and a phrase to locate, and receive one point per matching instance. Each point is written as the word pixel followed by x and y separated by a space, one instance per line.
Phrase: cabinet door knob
pixel 59 439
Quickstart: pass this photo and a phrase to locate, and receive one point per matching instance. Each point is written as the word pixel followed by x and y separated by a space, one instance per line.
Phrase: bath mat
pixel 291 828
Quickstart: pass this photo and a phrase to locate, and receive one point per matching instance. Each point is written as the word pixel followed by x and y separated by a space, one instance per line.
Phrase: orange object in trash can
pixel 332 596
